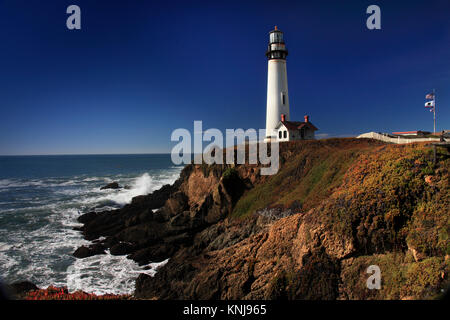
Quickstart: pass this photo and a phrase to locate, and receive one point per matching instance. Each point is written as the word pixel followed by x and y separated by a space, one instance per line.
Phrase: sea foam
pixel 37 237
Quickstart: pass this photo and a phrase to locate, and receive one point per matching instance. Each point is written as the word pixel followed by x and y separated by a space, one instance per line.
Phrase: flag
pixel 430 96
pixel 430 104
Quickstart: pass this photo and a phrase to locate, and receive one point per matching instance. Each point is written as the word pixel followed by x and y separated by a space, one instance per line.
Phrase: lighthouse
pixel 277 85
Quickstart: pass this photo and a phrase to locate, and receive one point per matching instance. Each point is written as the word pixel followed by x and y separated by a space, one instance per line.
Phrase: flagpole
pixel 434 111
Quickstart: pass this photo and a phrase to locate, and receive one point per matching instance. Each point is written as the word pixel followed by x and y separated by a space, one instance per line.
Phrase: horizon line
pixel 81 154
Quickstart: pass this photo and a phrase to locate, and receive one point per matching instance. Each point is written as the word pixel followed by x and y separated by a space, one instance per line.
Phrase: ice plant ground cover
pixel 54 293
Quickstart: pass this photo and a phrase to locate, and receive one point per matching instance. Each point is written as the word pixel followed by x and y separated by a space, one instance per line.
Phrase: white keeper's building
pixel 294 130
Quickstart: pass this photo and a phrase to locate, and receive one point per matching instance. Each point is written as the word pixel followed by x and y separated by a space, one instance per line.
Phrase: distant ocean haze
pixel 40 200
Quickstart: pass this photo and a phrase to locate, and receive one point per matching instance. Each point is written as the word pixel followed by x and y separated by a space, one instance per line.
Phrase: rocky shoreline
pixel 152 227
pixel 25 290
pixel 298 250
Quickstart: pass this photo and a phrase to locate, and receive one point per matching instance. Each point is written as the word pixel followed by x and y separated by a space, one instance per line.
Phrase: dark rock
pixel 156 226
pixel 110 241
pixel 233 184
pixel 181 219
pixel 146 216
pixel 159 286
pixel 160 216
pixel 134 220
pixel 137 213
pixel 180 239
pixel 154 200
pixel 121 248
pixel 106 223
pixel 98 248
pixel 112 185
pixel 92 250
pixel 177 203
pixel 155 253
pixel 144 286
pixel 85 218
pixel 175 280
pixel 82 252
pixel 139 233
pixel 22 287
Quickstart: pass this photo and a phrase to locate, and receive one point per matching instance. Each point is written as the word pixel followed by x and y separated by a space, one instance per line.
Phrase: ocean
pixel 40 200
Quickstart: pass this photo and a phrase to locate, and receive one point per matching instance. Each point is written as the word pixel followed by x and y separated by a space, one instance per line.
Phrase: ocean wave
pixel 142 185
pixel 5 246
pixel 24 183
pixel 7 261
pixel 10 183
pixel 40 255
pixel 102 274
pixel 91 179
pixel 38 239
pixel 73 192
pixel 49 207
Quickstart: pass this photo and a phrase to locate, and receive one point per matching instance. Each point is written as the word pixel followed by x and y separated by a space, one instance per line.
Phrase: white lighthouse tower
pixel 277 85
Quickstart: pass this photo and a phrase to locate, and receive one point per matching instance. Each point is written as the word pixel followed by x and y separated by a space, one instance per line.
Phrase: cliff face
pixel 334 208
pixel 154 226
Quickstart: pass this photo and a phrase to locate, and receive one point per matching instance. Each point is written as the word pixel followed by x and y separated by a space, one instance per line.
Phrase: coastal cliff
pixel 335 207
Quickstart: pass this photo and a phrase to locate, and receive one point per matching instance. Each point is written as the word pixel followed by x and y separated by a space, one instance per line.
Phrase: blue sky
pixel 138 69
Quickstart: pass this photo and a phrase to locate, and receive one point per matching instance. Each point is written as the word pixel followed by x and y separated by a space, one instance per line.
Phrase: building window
pixel 279 134
pixel 285 134
pixel 283 98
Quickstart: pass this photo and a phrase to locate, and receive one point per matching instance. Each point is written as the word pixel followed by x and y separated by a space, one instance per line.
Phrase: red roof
pixel 411 132
pixel 297 125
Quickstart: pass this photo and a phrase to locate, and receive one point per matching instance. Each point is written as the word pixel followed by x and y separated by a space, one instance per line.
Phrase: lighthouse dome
pixel 276 48
pixel 276 36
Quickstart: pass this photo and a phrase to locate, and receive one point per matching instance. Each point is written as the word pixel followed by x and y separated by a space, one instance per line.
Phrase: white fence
pixel 397 140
